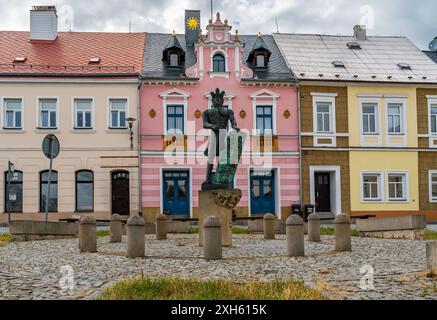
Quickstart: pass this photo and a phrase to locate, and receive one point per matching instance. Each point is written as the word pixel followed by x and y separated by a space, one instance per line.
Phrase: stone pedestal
pixel 431 256
pixel 216 203
pixel 87 235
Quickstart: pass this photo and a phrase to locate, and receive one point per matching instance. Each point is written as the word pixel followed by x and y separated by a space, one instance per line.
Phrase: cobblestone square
pixel 32 270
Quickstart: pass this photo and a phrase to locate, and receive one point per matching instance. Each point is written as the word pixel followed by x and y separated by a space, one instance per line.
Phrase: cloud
pixel 416 20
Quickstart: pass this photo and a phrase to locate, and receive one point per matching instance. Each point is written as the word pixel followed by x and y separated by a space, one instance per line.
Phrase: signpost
pixel 50 148
pixel 10 174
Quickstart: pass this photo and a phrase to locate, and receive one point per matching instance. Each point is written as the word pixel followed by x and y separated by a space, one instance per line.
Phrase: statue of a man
pixel 217 119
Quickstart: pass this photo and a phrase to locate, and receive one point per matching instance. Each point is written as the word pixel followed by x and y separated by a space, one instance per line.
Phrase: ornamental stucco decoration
pixel 287 114
pixel 198 114
pixel 243 114
pixel 152 114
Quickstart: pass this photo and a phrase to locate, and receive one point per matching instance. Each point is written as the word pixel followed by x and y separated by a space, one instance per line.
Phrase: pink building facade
pixel 180 72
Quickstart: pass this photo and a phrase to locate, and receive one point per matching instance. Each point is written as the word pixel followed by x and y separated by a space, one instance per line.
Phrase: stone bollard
pixel 88 235
pixel 212 239
pixel 295 236
pixel 269 226
pixel 136 233
pixel 314 227
pixel 342 229
pixel 161 227
pixel 115 229
pixel 431 257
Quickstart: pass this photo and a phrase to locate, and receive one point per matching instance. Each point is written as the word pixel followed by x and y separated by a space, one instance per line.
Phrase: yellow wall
pixel 355 115
pixel 384 161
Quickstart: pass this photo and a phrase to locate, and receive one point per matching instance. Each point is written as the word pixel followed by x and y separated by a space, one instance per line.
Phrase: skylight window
pixel 404 66
pixel 95 60
pixel 20 59
pixel 338 64
pixel 353 45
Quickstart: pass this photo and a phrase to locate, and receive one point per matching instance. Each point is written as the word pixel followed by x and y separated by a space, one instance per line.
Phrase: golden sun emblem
pixel 192 23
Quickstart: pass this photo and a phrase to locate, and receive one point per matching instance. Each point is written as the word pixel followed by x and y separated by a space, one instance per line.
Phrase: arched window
pixel 84 191
pixel 174 59
pixel 14 192
pixel 43 189
pixel 218 62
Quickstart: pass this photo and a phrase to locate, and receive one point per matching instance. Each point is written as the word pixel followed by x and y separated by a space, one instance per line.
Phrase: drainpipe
pixel 140 185
pixel 300 143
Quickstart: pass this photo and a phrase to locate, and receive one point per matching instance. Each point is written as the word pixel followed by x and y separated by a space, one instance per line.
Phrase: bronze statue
pixel 216 119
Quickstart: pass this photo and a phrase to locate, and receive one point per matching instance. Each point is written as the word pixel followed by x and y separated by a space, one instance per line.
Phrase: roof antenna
pixel 277 26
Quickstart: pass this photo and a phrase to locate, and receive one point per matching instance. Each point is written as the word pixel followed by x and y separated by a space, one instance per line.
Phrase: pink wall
pixel 153 128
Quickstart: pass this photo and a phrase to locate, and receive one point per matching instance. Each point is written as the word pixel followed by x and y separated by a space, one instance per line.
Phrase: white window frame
pixel 213 74
pixel 432 101
pixel 375 104
pixel 325 98
pixel 403 122
pixel 4 126
pixel 380 183
pixel 38 113
pixel 430 174
pixel 264 97
pixel 406 187
pixel 109 106
pixel 74 115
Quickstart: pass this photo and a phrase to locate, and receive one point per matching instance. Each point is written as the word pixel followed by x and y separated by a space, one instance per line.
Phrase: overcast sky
pixel 414 19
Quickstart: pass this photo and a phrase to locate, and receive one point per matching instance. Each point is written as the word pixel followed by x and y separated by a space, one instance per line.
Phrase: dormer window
pixel 173 54
pixel 218 62
pixel 260 54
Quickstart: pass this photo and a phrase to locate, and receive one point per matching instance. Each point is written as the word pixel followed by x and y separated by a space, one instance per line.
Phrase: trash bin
pixel 309 209
pixel 296 209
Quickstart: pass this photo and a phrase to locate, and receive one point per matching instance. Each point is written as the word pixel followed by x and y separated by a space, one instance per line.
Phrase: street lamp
pixel 130 122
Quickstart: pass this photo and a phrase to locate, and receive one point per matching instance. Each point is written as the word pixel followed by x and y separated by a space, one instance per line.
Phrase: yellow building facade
pixel 383 149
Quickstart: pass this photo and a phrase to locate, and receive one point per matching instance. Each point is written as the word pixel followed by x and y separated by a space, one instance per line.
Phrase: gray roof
pixel 432 55
pixel 154 68
pixel 310 57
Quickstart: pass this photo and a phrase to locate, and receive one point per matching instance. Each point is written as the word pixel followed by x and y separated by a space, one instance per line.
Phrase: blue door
pixel 176 192
pixel 262 190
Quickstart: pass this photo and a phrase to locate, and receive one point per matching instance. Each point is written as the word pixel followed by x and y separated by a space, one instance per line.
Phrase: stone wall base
pixel 417 234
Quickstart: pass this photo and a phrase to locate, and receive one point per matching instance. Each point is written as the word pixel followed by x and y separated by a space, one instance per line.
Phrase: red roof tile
pixel 70 53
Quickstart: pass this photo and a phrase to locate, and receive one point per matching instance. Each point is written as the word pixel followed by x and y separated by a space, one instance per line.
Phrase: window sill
pixel 213 74
pixel 47 130
pixel 12 131
pixel 325 133
pixel 83 131
pixel 372 201
pixel 370 134
pixel 396 134
pixel 403 201
pixel 117 131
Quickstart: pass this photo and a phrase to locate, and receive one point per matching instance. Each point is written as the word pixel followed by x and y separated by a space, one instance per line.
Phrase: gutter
pixel 140 174
pixel 65 75
pixel 300 142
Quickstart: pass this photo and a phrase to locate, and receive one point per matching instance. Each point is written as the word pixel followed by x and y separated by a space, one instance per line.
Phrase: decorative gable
pixel 175 94
pixel 265 94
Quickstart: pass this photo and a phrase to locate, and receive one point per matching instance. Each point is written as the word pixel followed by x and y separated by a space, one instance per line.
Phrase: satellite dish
pixel 433 45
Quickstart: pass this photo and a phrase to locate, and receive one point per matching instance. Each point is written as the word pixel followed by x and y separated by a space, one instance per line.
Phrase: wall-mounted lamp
pixel 130 122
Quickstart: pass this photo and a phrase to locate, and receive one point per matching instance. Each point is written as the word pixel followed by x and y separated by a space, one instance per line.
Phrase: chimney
pixel 192 26
pixel 43 23
pixel 360 33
